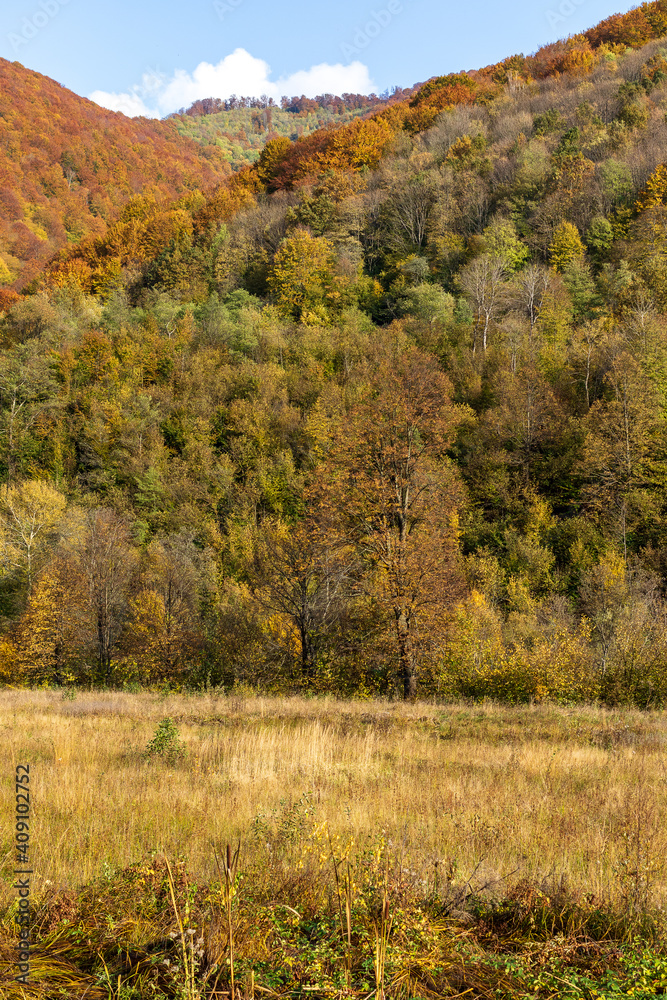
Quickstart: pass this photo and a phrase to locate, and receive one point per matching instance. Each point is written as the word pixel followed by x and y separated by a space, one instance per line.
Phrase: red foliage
pixel 635 28
pixel 72 163
pixel 8 298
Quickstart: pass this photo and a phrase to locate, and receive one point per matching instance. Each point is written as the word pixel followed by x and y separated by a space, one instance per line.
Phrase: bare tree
pixel 532 285
pixel 482 281
pixel 408 212
pixel 107 561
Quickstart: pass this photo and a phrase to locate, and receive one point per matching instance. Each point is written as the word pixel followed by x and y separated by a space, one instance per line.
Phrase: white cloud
pixel 239 73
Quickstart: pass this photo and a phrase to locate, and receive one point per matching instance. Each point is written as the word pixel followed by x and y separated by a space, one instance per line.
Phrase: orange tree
pixel 387 487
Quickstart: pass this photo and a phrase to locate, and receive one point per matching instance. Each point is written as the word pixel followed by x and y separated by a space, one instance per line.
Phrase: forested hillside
pixel 67 167
pixel 241 126
pixel 384 411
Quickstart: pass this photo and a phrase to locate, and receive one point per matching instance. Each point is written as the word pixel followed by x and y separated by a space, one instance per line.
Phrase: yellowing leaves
pixel 302 274
pixel 28 513
pixel 566 246
pixel 654 191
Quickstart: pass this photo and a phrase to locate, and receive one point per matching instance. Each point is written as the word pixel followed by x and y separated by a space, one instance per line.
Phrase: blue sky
pixel 154 56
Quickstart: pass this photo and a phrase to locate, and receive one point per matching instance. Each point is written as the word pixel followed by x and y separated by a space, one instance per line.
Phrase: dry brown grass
pixel 513 792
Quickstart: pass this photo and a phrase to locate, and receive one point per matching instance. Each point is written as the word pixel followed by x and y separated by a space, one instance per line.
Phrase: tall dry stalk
pixel 191 991
pixel 348 914
pixel 228 871
pixel 348 919
pixel 382 929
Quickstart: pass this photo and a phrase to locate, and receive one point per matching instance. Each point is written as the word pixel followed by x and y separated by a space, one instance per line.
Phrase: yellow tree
pixel 164 624
pixel 29 515
pixel 52 632
pixel 654 192
pixel 566 247
pixel 271 157
pixel 302 273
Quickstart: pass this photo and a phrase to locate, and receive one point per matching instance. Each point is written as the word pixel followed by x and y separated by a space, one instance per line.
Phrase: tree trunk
pixel 307 656
pixel 104 649
pixel 57 664
pixel 406 656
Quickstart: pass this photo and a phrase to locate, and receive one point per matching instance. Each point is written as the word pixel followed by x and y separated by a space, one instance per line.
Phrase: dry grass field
pixel 460 804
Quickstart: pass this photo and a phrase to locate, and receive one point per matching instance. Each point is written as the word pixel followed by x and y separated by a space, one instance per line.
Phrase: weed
pixel 191 949
pixel 166 743
pixel 382 929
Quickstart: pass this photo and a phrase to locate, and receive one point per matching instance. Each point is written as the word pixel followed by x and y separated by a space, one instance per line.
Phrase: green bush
pixel 166 742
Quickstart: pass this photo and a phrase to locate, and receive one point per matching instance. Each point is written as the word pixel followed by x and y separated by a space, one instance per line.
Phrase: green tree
pixel 599 238
pixel 501 241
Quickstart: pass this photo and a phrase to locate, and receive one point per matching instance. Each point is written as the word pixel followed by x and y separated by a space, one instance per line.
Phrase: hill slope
pixel 219 387
pixel 241 126
pixel 67 167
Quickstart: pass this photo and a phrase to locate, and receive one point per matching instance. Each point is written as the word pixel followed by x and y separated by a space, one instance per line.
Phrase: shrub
pixel 166 742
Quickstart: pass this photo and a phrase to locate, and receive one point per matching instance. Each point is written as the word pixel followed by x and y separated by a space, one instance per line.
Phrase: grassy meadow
pixel 386 849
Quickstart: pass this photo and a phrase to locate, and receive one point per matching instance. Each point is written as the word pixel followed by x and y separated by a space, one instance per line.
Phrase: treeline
pixel 296 105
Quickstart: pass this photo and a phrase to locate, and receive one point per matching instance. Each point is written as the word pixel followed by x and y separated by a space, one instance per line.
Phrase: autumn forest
pixel 364 396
